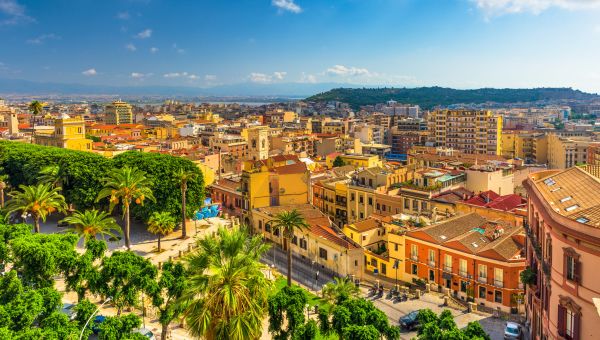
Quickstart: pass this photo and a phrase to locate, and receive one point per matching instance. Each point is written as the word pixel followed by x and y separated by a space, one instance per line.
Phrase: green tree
pixel 308 331
pixel 169 288
pixel 356 332
pixel 161 224
pixel 91 223
pixel 83 273
pixel 289 222
pixel 340 319
pixel 38 200
pixel 83 311
pixel 226 296
pixel 183 177
pixel 36 107
pixel 9 232
pixel 338 161
pixel 475 331
pixel 53 175
pixel 126 185
pixel 324 323
pixel 120 328
pixel 40 257
pixel 339 290
pixel 124 275
pixel 288 304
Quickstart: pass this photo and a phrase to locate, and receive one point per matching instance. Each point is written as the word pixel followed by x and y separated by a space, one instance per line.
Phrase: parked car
pixel 98 320
pixel 145 332
pixel 409 321
pixel 68 309
pixel 513 331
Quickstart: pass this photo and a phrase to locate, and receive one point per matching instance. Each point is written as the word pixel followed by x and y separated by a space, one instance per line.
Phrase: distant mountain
pixel 290 90
pixel 428 97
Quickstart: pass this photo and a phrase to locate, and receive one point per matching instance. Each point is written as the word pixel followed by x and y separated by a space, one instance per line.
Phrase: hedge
pixel 83 173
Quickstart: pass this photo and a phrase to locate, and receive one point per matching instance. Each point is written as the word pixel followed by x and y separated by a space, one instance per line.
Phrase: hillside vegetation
pixel 428 97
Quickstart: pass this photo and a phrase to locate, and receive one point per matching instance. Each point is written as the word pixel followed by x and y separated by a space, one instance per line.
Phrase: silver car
pixel 513 331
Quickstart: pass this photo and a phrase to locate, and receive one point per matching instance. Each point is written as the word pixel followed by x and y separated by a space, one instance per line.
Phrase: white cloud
pixel 287 5
pixel 137 75
pixel 123 15
pixel 210 77
pixel 260 78
pixel 186 75
pixel 308 78
pixel 131 47
pixel 153 49
pixel 90 72
pixel 499 7
pixel 279 75
pixel 14 13
pixel 145 34
pixel 42 38
pixel 341 70
pixel 178 50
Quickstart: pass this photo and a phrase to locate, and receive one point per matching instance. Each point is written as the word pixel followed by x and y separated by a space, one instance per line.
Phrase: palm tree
pixel 36 107
pixel 3 185
pixel 126 185
pixel 90 223
pixel 183 176
pixel 339 290
pixel 288 222
pixel 161 223
pixel 51 174
pixel 226 297
pixel 38 200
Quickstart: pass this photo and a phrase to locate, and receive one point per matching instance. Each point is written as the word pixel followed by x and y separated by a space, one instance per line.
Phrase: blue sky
pixel 457 43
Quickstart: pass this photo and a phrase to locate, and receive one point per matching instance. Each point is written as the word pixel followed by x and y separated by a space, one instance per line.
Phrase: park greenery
pixel 81 176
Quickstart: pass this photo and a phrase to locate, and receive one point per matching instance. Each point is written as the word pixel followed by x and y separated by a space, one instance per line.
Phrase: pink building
pixel 563 250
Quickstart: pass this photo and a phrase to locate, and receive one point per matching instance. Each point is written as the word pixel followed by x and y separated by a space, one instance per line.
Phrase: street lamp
pixel 91 316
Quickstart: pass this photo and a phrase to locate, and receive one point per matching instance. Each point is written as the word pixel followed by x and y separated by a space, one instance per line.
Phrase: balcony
pixel 431 263
pixel 447 268
pixel 414 257
pixel 463 273
pixel 482 279
pixel 498 283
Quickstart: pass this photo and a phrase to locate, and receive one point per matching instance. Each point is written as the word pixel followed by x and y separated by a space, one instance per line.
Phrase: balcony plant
pixel 528 276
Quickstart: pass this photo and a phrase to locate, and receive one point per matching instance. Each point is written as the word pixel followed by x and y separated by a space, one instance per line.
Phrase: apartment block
pixel 118 112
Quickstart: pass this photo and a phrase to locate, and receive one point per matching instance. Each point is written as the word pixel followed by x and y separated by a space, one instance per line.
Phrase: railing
pixel 414 257
pixel 447 268
pixel 431 263
pixel 498 283
pixel 482 279
pixel 463 273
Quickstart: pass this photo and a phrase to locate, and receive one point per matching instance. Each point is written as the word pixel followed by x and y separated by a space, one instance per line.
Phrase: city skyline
pixel 459 43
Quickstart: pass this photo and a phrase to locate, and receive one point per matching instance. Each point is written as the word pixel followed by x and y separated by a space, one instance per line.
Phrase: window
pixel 276 232
pixel 378 206
pixel 415 205
pixel 448 263
pixel 360 199
pixel 415 269
pixel 383 207
pixel 406 203
pixel 462 267
pixel 259 225
pixel 463 286
pixel 383 268
pixel 482 272
pixel 431 257
pixel 498 277
pixel 352 197
pixel 423 205
pixel 571 265
pixel 361 215
pixel 414 251
pixel 498 296
pixel 431 275
pixel 295 240
pixel 370 200
pixel 395 246
pixel 582 219
pixel 482 292
pixel 303 243
pixel 268 227
pixel 364 238
pixel 374 262
pixel 322 253
pixel 370 182
pixel 571 208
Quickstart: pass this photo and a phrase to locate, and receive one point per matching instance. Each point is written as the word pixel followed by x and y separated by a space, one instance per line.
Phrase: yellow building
pixel 118 113
pixel 532 147
pixel 508 139
pixel 357 161
pixel 468 131
pixel 265 184
pixel 68 133
pixel 565 151
pixel 319 244
pixel 258 142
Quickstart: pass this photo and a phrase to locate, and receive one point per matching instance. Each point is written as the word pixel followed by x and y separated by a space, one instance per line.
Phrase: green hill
pixel 428 97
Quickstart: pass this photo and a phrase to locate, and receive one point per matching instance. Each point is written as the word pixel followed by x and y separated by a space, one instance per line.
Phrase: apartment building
pixel 118 112
pixel 563 253
pixel 473 258
pixel 468 131
pixel 67 133
pixel 227 192
pixel 565 150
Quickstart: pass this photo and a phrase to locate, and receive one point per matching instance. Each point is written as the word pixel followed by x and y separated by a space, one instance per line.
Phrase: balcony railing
pixel 431 263
pixel 414 257
pixel 448 268
pixel 498 283
pixel 463 273
pixel 482 279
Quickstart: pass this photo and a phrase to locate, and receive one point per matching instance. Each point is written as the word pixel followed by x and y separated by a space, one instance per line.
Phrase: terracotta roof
pixel 281 158
pixel 366 225
pixel 227 184
pixel 291 169
pixel 454 227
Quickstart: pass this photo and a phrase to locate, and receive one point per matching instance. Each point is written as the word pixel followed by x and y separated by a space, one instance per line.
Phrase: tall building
pixel 469 131
pixel 68 133
pixel 118 113
pixel 258 143
pixel 563 242
pixel 565 151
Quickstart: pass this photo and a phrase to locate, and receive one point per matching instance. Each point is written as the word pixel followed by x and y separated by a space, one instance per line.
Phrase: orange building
pixel 474 258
